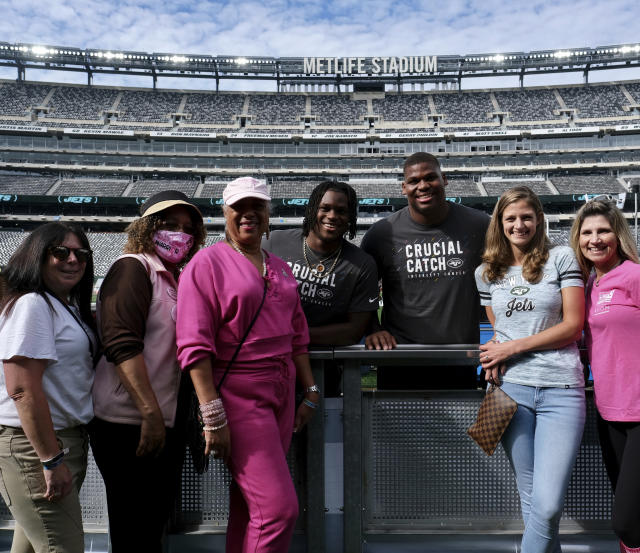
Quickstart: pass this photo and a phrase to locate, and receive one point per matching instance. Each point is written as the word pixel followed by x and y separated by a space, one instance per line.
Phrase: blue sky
pixel 316 28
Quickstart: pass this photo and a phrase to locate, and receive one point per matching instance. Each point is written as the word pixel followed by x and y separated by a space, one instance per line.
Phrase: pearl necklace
pixel 319 269
pixel 264 263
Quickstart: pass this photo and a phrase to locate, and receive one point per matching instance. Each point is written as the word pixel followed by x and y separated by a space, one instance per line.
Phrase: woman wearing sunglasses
pixel 609 261
pixel 46 346
pixel 136 437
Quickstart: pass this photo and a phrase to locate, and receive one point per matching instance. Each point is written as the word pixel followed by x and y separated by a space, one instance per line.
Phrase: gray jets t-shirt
pixel 427 275
pixel 522 309
pixel 352 287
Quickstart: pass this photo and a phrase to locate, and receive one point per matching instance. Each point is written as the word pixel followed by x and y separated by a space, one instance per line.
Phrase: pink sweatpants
pixel 260 402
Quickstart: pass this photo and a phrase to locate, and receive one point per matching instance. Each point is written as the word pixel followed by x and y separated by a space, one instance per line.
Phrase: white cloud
pixel 330 28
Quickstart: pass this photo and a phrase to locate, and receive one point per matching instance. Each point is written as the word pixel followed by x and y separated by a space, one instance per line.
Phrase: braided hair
pixel 311 213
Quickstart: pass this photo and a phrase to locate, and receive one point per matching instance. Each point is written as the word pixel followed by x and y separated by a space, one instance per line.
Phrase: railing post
pixel 352 456
pixel 315 523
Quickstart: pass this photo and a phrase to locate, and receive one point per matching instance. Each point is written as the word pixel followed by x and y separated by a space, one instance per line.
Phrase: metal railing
pixel 408 466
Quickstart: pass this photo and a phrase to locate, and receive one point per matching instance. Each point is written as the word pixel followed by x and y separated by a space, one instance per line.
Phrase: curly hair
pixel 626 244
pixel 140 235
pixel 498 255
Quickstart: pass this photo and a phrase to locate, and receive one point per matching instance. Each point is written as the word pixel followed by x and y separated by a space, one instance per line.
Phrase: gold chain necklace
pixel 319 268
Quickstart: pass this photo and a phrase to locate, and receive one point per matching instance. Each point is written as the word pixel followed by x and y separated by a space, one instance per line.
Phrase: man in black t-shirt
pixel 337 281
pixel 426 255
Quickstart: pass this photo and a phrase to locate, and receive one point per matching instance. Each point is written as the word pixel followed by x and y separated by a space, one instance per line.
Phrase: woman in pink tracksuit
pixel 249 419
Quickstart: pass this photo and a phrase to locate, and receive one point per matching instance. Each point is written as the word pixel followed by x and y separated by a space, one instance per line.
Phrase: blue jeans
pixel 542 443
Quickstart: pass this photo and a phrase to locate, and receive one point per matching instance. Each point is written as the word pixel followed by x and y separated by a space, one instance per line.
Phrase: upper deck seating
pixel 72 102
pixel 464 107
pixel 337 109
pixel 18 99
pixel 213 108
pixel 148 106
pixel 276 109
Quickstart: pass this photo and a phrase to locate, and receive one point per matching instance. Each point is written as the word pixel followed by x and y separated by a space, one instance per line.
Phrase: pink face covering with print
pixel 172 246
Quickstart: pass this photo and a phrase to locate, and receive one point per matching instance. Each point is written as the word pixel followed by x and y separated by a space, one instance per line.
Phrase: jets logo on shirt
pixel 325 293
pixel 454 263
pixel 520 290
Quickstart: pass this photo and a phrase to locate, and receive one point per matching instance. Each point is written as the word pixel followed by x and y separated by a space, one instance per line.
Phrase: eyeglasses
pixel 62 253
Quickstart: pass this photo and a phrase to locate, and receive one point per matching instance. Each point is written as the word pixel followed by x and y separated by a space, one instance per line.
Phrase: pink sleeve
pixel 198 312
pixel 300 341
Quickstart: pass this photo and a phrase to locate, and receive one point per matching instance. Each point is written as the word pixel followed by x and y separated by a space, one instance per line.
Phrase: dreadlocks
pixel 311 214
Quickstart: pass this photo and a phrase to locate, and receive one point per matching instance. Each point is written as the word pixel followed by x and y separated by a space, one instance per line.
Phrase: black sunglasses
pixel 62 253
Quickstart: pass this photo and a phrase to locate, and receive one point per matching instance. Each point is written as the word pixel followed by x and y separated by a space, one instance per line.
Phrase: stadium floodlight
pixel 498 57
pixel 562 54
pixel 242 61
pixel 40 50
pixel 178 59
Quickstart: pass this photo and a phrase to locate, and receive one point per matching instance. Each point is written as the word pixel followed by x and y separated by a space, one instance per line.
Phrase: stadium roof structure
pixel 318 70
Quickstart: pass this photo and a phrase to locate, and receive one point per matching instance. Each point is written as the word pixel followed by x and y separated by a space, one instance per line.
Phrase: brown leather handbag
pixel 495 414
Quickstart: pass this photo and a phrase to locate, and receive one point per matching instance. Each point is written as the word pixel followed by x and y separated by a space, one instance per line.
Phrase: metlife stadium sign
pixel 372 66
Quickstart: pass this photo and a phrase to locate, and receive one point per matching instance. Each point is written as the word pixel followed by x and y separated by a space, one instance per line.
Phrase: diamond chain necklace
pixel 319 269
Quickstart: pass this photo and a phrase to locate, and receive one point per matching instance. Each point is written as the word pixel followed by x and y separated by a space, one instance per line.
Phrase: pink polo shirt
pixel 218 294
pixel 613 334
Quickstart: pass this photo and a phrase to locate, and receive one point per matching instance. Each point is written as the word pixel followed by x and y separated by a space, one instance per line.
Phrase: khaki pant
pixel 42 526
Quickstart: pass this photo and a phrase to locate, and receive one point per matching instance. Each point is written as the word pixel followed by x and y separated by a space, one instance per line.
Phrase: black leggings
pixel 620 443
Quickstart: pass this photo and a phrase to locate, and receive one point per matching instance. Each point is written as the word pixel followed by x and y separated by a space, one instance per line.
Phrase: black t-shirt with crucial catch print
pixel 352 286
pixel 427 274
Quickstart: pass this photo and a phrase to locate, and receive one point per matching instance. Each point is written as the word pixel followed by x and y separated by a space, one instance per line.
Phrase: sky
pixel 337 28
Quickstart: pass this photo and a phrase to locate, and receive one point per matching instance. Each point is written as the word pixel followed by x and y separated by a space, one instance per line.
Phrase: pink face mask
pixel 172 246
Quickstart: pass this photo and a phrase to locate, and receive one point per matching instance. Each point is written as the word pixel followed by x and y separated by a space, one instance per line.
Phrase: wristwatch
pixel 313 388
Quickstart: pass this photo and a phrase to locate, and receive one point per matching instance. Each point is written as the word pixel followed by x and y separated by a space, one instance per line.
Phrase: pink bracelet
pixel 213 428
pixel 213 413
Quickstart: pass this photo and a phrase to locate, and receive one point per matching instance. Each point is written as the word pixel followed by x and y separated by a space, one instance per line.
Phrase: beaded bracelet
pixel 214 428
pixel 213 413
pixel 213 406
pixel 213 421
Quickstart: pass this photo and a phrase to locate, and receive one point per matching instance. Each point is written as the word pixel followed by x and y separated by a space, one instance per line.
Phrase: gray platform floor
pixel 482 543
pixel 438 543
